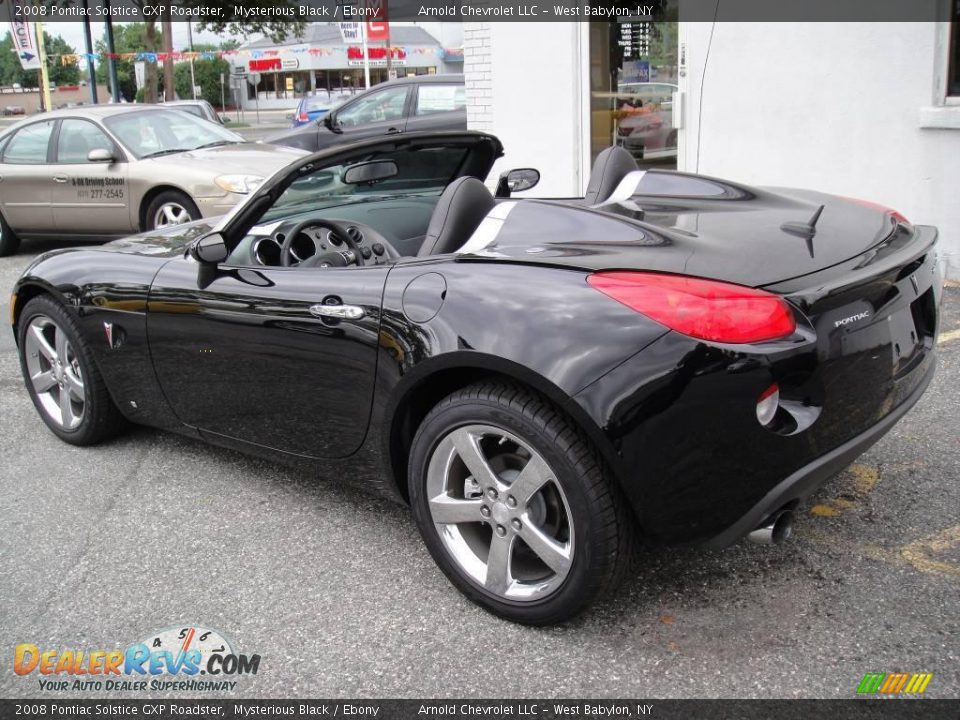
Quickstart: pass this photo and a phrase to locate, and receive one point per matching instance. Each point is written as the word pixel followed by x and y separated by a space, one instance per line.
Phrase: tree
pixel 207 74
pixel 12 72
pixel 130 38
pixel 59 73
pixel 276 29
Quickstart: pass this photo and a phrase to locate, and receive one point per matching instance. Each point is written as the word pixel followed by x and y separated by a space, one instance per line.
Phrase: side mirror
pixel 370 172
pixel 517 180
pixel 100 155
pixel 223 119
pixel 330 121
pixel 210 249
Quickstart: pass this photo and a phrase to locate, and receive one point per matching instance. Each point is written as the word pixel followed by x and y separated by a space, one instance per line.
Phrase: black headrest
pixel 610 167
pixel 459 211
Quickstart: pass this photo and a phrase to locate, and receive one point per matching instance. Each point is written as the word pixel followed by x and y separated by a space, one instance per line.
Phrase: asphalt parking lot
pixel 103 546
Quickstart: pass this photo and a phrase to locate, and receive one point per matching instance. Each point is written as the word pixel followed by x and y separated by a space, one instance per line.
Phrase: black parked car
pixel 426 103
pixel 538 379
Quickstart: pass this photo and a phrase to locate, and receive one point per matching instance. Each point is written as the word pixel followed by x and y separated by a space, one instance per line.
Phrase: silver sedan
pixel 105 171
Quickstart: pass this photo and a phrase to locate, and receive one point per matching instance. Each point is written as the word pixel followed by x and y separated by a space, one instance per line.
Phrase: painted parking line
pixel 915 555
pixel 859 480
pixel 947 337
pixel 921 554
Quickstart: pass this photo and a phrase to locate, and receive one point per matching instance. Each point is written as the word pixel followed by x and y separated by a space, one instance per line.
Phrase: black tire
pixel 100 418
pixel 169 197
pixel 600 518
pixel 9 242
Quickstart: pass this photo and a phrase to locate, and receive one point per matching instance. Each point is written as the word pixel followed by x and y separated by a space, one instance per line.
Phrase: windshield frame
pixel 216 132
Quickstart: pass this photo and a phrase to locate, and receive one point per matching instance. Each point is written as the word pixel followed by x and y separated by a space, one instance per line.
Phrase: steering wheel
pixel 335 258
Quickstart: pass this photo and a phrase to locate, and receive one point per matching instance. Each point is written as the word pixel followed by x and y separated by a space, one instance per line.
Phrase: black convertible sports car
pixel 672 358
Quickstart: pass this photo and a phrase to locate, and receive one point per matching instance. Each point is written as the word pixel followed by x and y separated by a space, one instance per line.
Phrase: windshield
pixel 151 133
pixel 421 172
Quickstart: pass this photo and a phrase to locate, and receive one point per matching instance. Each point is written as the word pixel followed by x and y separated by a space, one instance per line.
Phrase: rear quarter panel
pixel 540 325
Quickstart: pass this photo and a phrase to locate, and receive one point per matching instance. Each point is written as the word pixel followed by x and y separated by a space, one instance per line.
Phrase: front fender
pixel 106 289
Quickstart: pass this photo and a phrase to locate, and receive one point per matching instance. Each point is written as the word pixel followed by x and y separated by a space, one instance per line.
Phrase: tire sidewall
pixel 50 308
pixel 9 242
pixel 170 196
pixel 577 588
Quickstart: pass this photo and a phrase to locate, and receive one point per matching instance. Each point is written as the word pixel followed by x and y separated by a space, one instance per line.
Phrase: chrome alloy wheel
pixel 171 213
pixel 500 512
pixel 55 374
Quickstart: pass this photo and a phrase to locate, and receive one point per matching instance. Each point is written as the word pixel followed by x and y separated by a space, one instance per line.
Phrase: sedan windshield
pixel 152 133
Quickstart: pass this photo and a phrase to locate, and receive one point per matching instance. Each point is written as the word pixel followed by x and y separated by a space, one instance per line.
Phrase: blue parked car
pixel 313 107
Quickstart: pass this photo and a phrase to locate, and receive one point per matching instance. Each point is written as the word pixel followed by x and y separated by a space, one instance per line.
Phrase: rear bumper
pixel 807 479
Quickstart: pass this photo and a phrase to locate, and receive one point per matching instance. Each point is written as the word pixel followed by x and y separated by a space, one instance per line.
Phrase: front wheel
pixel 61 376
pixel 170 208
pixel 513 505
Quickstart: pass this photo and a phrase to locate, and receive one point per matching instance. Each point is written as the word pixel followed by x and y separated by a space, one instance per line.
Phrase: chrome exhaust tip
pixel 777 529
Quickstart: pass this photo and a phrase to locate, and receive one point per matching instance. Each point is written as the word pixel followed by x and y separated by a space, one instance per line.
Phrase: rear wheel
pixel 170 207
pixel 513 505
pixel 61 377
pixel 9 242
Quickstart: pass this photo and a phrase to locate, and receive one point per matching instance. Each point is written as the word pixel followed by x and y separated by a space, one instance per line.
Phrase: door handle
pixel 337 312
pixel 60 178
pixel 393 131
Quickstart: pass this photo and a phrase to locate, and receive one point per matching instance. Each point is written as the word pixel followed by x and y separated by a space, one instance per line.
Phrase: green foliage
pixel 131 38
pixel 11 71
pixel 207 75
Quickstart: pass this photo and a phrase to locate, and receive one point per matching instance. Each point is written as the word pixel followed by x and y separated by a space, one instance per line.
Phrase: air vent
pixel 354 232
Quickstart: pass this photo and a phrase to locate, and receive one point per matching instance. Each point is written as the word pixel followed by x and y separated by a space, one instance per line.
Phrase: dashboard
pixel 404 222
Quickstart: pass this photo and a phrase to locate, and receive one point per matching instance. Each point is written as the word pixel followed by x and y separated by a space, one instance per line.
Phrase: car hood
pixel 740 240
pixel 164 242
pixel 246 158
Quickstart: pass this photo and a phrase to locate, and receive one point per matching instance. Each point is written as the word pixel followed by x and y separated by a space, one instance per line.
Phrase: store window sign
pixel 635 71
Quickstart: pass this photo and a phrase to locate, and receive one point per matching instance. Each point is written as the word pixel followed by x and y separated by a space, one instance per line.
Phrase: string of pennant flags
pixel 72 58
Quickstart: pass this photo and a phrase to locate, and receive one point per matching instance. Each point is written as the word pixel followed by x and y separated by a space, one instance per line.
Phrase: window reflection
pixel 633 77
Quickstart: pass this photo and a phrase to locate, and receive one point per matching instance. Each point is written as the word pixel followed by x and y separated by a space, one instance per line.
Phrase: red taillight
pixel 898 217
pixel 303 117
pixel 704 309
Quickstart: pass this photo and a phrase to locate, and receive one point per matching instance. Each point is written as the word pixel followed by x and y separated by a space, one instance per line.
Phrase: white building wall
pixel 836 107
pixel 525 84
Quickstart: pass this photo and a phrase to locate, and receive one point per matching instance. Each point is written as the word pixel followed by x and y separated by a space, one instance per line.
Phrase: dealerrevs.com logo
pixel 172 659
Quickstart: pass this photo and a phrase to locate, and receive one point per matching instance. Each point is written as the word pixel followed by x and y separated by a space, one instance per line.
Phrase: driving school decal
pixel 188 659
pixel 98 188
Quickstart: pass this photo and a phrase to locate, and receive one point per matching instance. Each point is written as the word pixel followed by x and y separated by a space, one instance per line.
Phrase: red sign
pixel 375 53
pixel 265 64
pixel 378 29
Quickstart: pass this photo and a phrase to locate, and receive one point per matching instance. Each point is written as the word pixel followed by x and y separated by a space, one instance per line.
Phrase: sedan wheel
pixel 171 213
pixel 170 207
pixel 500 513
pixel 513 504
pixel 63 380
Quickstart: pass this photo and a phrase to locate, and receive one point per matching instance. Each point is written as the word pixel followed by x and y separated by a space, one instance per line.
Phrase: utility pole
pixel 44 77
pixel 91 70
pixel 168 90
pixel 386 44
pixel 366 60
pixel 193 80
pixel 111 53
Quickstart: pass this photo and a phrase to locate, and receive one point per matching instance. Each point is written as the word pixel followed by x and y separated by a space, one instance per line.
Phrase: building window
pixel 953 71
pixel 633 75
